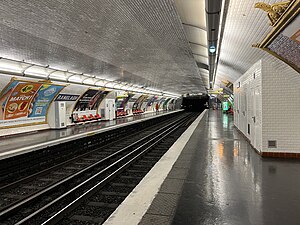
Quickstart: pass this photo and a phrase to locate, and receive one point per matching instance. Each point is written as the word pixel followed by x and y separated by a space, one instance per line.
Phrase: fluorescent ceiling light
pixel 59 75
pixel 21 68
pixel 38 71
pixel 118 86
pixel 76 78
pixel 173 95
pixel 109 85
pixel 14 67
pixel 129 88
pixel 90 81
pixel 124 87
pixel 101 83
pixel 140 90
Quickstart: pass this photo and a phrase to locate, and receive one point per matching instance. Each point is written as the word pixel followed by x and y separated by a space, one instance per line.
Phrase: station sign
pixel 216 92
pixel 67 97
pixel 225 106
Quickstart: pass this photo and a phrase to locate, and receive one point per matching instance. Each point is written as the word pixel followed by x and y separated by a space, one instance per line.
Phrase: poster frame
pixel 38 81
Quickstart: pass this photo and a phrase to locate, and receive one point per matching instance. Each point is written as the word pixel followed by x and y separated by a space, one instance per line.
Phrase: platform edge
pixel 133 208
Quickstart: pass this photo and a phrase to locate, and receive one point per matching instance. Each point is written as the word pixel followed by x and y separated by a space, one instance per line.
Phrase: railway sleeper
pixel 103 204
pixel 79 218
pixel 112 193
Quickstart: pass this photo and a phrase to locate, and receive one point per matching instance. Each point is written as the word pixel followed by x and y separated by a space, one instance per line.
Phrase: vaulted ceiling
pixel 244 26
pixel 160 44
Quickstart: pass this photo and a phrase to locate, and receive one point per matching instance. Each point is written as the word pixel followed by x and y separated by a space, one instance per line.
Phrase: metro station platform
pixel 21 143
pixel 211 175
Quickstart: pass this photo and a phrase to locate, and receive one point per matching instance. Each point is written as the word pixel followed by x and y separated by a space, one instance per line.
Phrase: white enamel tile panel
pixel 277 105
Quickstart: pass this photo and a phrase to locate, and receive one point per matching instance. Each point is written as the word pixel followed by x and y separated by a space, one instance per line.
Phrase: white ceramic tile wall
pixel 69 89
pixel 275 92
pixel 281 107
pixel 248 105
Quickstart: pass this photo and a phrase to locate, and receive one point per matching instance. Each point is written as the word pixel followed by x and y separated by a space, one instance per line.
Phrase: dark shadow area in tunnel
pixel 195 103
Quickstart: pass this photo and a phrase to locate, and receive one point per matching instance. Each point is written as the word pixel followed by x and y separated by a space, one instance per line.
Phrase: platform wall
pixel 248 105
pixel 267 98
pixel 74 90
pixel 281 112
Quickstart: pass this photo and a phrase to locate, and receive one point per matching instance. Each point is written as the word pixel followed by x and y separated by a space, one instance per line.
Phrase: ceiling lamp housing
pixel 21 68
pixel 213 14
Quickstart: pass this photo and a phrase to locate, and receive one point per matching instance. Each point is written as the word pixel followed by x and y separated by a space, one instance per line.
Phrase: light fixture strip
pixel 16 71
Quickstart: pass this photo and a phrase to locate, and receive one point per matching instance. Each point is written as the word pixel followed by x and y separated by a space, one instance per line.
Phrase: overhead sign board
pixel 217 92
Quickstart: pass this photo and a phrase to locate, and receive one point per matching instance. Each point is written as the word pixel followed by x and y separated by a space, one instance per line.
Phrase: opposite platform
pixel 22 143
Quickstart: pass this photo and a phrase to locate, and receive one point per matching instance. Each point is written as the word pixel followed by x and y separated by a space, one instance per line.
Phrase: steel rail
pixel 57 216
pixel 10 210
pixel 35 175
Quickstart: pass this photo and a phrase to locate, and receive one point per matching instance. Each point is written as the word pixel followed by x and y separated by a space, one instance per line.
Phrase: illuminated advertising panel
pixel 225 106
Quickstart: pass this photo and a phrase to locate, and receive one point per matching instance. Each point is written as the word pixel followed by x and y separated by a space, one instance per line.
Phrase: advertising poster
pixel 161 102
pixel 225 106
pixel 122 100
pixel 134 98
pixel 157 101
pixel 151 101
pixel 165 104
pixel 144 105
pixel 90 100
pixel 26 102
pixel 138 103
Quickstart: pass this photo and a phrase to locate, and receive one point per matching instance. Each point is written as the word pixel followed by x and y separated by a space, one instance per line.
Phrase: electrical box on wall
pixel 60 115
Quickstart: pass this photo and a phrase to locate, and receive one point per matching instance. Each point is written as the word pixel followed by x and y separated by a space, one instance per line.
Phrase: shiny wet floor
pixel 229 183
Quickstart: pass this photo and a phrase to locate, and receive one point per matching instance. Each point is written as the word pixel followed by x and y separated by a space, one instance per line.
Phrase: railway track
pixel 32 162
pixel 49 196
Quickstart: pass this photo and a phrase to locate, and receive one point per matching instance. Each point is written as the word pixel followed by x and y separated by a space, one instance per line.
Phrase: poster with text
pixel 90 100
pixel 138 103
pixel 122 100
pixel 151 101
pixel 26 102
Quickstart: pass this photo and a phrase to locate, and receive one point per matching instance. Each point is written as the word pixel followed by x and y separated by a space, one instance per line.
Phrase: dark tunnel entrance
pixel 195 103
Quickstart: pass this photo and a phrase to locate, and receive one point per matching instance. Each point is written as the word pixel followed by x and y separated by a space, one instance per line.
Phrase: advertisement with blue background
pixel 43 99
pixel 26 102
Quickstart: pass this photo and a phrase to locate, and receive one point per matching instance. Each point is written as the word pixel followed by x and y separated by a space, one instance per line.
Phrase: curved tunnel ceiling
pixel 159 44
pixel 245 26
pixel 135 41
